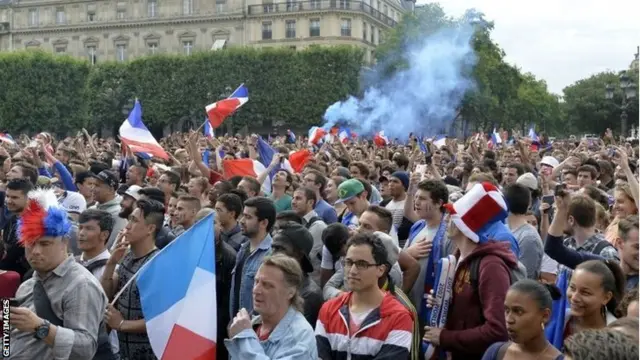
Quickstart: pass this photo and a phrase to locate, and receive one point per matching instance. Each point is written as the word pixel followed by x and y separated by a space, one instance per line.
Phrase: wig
pixel 42 216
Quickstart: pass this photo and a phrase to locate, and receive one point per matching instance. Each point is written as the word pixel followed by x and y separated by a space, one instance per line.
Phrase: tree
pixel 588 110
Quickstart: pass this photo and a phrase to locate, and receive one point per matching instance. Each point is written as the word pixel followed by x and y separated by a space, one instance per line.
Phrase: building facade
pixel 107 30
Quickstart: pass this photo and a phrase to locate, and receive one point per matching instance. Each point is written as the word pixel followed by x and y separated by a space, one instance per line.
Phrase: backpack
pixel 311 221
pixel 601 245
pixel 515 275
pixel 94 265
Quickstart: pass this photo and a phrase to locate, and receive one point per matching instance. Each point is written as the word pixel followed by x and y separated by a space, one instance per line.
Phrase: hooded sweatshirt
pixel 476 320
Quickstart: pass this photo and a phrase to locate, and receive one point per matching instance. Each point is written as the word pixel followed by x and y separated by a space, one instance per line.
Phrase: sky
pixel 560 41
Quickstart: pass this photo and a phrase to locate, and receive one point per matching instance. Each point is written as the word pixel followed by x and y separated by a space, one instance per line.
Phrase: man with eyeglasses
pixel 367 321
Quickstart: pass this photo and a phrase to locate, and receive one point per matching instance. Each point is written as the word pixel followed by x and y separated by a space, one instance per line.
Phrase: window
pixel 60 16
pixel 268 6
pixel 92 54
pixel 152 8
pixel 315 4
pixel 187 7
pixel 153 48
pixel 364 31
pixel 344 4
pixel 345 27
pixel 91 16
pixel 121 14
pixel 291 5
pixel 378 8
pixel 314 27
pixel 373 30
pixel 187 46
pixel 121 52
pixel 386 10
pixel 290 29
pixel 60 50
pixel 266 30
pixel 33 17
pixel 221 6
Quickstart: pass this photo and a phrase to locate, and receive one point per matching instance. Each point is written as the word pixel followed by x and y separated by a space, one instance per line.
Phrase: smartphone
pixel 549 199
pixel 561 190
pixel 13 302
pixel 612 152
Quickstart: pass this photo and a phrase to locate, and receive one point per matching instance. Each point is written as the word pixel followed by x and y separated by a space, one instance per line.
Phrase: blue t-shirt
pixel 500 232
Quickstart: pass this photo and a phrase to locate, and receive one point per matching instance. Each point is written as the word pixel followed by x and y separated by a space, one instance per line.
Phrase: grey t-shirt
pixel 531 249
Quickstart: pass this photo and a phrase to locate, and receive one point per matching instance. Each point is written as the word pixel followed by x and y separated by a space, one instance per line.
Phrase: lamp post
pixel 224 95
pixel 629 91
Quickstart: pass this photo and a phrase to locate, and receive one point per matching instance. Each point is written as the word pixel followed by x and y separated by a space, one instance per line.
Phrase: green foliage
pixel 45 92
pixel 587 109
pixel 41 92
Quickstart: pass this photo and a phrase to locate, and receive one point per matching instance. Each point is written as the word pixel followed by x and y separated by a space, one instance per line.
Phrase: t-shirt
pixel 282 204
pixel 397 211
pixel 531 249
pixel 417 291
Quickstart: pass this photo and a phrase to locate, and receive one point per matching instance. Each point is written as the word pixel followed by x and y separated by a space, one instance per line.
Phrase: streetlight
pixel 224 95
pixel 629 91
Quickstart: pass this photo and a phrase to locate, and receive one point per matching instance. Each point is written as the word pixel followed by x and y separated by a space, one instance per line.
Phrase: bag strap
pixel 601 246
pixel 96 264
pixel 502 351
pixel 43 304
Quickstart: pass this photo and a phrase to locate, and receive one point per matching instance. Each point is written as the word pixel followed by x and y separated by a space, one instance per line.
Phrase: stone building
pixel 102 30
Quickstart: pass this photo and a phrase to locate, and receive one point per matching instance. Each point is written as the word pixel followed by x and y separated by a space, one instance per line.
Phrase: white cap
pixel 134 192
pixel 73 202
pixel 549 161
pixel 528 180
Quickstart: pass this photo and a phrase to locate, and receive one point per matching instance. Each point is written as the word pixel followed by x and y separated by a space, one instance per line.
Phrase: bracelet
pixel 120 325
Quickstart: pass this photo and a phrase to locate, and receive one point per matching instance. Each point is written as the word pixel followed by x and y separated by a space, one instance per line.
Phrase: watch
pixel 42 331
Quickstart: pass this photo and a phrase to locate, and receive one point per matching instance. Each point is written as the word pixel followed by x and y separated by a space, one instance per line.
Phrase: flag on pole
pixel 316 134
pixel 495 138
pixel 220 110
pixel 135 134
pixel 380 139
pixel 178 296
pixel 344 134
pixel 208 130
pixel 6 138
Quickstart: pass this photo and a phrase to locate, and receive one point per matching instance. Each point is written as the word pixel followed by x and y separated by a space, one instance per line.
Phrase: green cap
pixel 348 189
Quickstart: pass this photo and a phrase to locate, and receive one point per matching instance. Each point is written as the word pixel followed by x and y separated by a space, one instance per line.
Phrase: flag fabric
pixel 6 138
pixel 291 137
pixel 266 154
pixel 242 167
pixel 422 145
pixel 554 330
pixel 220 110
pixel 299 159
pixel 443 291
pixel 208 130
pixel 495 138
pixel 344 135
pixel 316 135
pixel 440 141
pixel 135 134
pixel 532 135
pixel 380 139
pixel 178 296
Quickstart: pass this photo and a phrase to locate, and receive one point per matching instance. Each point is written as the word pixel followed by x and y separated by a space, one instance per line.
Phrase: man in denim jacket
pixel 280 331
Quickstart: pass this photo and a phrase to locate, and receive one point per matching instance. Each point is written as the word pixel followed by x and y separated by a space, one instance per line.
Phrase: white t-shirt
pixel 417 291
pixel 397 211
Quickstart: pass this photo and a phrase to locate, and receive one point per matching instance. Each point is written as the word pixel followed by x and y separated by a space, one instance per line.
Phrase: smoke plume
pixel 422 98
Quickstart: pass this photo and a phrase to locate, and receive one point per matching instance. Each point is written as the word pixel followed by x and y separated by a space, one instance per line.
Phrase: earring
pixel 542 325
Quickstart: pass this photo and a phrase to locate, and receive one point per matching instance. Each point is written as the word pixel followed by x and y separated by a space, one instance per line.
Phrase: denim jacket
pixel 292 339
pixel 248 273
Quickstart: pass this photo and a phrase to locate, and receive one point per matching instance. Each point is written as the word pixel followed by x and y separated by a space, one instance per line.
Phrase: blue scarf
pixel 430 269
pixel 554 330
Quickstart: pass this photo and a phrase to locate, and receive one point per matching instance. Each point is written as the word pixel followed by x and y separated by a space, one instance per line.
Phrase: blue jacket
pixel 292 339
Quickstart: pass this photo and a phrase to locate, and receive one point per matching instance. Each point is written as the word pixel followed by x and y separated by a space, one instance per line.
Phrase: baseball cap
pixel 549 161
pixel 528 180
pixel 73 202
pixel 300 238
pixel 393 251
pixel 108 178
pixel 348 189
pixel 134 192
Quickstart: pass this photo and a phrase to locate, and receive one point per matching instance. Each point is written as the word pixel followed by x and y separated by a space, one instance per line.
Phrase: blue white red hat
pixel 42 216
pixel 482 206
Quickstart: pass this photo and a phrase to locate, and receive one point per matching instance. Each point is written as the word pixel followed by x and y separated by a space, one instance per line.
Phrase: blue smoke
pixel 422 98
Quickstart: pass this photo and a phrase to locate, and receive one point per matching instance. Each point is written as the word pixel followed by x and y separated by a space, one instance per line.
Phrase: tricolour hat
pixel 42 216
pixel 482 206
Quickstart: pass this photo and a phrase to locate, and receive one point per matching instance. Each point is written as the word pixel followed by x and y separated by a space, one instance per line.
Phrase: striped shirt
pixel 387 330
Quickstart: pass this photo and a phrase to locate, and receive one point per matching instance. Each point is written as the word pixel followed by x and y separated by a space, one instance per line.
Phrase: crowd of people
pixel 402 251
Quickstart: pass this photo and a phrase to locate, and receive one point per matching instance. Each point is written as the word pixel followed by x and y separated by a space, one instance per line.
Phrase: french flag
pixel 178 296
pixel 6 138
pixel 266 153
pixel 533 136
pixel 242 167
pixel 495 138
pixel 344 135
pixel 440 141
pixel 208 130
pixel 380 139
pixel 220 110
pixel 316 135
pixel 137 137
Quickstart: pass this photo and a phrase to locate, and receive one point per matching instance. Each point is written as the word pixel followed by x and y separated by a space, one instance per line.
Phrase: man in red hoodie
pixel 476 314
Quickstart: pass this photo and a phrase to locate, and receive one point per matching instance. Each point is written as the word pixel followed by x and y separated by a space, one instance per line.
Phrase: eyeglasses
pixel 360 264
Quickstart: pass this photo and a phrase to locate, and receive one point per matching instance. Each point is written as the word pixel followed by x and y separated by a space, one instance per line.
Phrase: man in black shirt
pixel 14 201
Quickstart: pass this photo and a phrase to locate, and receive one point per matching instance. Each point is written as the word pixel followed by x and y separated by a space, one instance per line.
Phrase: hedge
pixel 41 91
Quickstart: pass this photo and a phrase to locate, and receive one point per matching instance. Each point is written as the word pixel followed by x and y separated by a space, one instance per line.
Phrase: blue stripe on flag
pixel 165 279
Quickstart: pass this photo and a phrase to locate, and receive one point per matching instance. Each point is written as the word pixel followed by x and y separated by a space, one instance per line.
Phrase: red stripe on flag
pixel 238 167
pixel 185 344
pixel 155 150
pixel 299 159
pixel 221 111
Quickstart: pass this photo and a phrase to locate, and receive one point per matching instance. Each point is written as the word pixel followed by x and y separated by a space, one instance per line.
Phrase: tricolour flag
pixel 380 139
pixel 495 138
pixel 344 134
pixel 6 138
pixel 440 141
pixel 316 135
pixel 299 159
pixel 178 296
pixel 208 130
pixel 242 167
pixel 135 134
pixel 220 110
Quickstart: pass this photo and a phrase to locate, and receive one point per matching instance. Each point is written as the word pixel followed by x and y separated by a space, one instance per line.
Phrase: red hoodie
pixel 466 336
